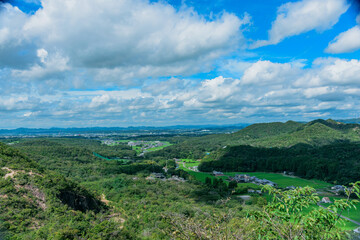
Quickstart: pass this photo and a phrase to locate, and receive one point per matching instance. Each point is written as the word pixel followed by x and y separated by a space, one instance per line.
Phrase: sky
pixel 87 63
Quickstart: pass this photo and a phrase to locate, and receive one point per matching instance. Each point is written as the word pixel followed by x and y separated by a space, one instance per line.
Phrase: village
pixel 145 145
pixel 243 178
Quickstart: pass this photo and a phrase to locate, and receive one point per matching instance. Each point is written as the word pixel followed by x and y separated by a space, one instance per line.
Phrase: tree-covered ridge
pixel 336 163
pixel 316 133
pixel 260 130
pixel 39 204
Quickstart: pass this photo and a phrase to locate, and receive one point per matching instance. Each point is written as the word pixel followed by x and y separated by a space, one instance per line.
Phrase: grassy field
pixel 353 213
pixel 281 180
pixel 166 144
pixel 285 181
pixel 187 160
pixel 139 150
pixel 190 162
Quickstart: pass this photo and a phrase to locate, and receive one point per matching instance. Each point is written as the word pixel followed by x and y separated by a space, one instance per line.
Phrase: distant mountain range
pixel 352 120
pixel 256 130
pixel 54 131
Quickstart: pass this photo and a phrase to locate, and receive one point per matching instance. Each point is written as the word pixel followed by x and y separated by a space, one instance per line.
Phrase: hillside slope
pixel 335 163
pixel 38 204
pixel 316 133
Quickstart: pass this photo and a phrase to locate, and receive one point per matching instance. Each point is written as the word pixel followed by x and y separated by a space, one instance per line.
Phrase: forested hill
pixel 43 204
pixel 316 133
pixel 335 163
pixel 260 130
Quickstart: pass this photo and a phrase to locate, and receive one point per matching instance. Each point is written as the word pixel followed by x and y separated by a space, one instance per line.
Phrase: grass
pixel 352 213
pixel 281 180
pixel 187 160
pixel 138 148
pixel 200 176
pixel 190 162
pixel 166 144
pixel 285 181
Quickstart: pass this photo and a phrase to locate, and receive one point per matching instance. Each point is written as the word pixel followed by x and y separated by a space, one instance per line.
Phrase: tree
pixel 208 181
pixel 281 218
pixel 232 185
pixel 284 218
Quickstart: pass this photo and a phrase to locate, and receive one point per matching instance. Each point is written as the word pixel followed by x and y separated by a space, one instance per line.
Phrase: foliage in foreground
pixel 281 218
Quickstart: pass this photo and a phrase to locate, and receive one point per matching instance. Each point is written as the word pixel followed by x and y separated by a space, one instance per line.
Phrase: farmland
pixel 280 179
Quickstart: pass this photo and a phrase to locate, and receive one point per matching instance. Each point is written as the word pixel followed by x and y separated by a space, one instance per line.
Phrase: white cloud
pixel 42 54
pixel 50 67
pixel 116 44
pixel 12 40
pixel 287 93
pixel 295 18
pixel 348 41
pixel 266 72
pixel 313 92
pixel 131 36
pixel 331 71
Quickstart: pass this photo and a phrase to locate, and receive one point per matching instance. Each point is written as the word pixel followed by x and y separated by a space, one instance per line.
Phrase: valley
pixel 144 187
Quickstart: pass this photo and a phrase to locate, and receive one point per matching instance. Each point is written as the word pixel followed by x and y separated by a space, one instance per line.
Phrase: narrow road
pixel 353 221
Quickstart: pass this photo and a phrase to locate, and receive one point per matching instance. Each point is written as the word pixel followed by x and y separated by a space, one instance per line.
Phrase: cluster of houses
pixel 161 176
pixel 254 191
pixel 194 168
pixel 337 189
pixel 325 200
pixel 243 178
pixel 146 144
pixel 108 142
pixel 217 174
pixel 289 173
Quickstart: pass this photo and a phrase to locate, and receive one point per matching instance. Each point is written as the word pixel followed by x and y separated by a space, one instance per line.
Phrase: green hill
pixel 335 163
pixel 38 204
pixel 260 130
pixel 315 133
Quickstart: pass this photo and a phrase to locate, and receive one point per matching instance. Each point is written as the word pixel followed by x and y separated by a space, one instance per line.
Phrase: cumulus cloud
pixel 348 41
pixel 50 67
pixel 267 90
pixel 331 71
pixel 266 72
pixel 132 35
pixel 295 18
pixel 143 50
pixel 13 44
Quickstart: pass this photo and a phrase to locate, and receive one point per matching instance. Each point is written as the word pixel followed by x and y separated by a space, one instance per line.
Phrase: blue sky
pixel 69 63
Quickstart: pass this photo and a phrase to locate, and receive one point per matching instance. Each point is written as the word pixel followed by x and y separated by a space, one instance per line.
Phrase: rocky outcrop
pixel 79 202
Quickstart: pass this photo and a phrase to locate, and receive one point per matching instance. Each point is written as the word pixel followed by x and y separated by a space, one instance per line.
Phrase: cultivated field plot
pixel 285 181
pixel 282 180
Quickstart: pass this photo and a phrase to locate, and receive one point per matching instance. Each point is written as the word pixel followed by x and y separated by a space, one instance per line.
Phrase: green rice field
pixel 280 179
pixel 285 181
